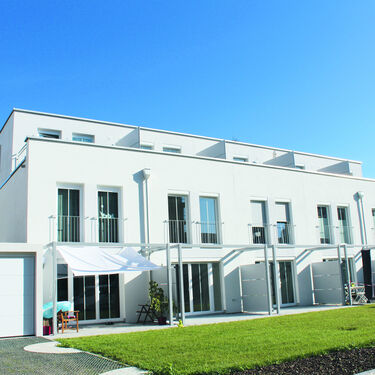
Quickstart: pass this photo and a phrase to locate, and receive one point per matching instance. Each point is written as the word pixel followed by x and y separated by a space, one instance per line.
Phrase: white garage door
pixel 17 282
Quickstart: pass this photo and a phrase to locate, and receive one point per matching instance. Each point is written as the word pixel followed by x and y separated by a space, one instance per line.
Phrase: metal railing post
pixel 340 273
pixel 268 281
pixel 276 279
pixel 169 281
pixel 348 274
pixel 54 293
pixel 181 284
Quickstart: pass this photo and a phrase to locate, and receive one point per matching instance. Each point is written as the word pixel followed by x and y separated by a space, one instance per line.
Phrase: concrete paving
pixel 49 347
pixel 126 371
pixel 104 329
pixel 17 361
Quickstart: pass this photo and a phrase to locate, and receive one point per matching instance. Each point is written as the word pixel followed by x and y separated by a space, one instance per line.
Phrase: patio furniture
pixel 358 294
pixel 64 317
pixel 148 313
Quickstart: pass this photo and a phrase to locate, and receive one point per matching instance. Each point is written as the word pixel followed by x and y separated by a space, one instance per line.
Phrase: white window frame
pixel 111 189
pixel 52 132
pixel 81 135
pixel 240 159
pixel 82 234
pixel 219 224
pixel 149 146
pixel 177 149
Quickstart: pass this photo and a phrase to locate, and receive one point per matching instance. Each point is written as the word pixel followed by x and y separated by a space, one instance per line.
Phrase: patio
pixel 105 329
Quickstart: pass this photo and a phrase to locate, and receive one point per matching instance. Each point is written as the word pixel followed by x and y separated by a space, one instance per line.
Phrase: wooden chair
pixel 67 316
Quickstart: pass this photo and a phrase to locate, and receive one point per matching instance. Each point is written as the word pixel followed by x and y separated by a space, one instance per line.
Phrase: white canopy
pixel 90 260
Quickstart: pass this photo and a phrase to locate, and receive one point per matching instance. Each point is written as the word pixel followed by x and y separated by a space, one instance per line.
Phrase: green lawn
pixel 219 348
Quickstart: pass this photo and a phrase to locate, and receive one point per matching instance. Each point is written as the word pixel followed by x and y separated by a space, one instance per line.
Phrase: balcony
pixel 177 231
pixel 284 232
pixel 325 233
pixel 208 232
pixel 68 228
pixel 345 234
pixel 108 229
pixel 258 233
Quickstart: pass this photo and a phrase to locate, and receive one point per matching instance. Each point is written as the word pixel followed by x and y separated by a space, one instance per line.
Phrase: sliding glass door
pixel 95 297
pixel 202 290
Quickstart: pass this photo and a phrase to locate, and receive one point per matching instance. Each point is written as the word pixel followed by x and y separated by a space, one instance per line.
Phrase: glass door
pixel 109 303
pixel 84 296
pixel 286 282
pixel 108 216
pixel 68 216
pixel 202 287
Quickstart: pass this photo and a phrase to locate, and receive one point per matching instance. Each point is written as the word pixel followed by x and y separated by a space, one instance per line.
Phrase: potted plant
pixel 158 302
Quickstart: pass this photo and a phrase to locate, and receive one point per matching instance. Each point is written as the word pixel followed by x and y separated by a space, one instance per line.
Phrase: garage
pixel 17 294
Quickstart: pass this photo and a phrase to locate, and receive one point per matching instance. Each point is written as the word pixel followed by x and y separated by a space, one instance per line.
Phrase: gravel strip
pixel 345 362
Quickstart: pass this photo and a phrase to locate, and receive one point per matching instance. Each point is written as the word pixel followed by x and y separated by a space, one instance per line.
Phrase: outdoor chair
pixel 64 317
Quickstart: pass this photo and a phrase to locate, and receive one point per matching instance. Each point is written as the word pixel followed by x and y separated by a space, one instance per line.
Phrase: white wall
pixel 6 149
pixel 13 208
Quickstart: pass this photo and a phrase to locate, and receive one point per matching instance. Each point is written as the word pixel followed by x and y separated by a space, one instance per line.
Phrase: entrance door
pixel 202 291
pixel 286 285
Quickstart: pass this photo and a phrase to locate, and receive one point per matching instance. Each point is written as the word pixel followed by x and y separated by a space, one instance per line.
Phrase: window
pixel 49 133
pixel 62 282
pixel 108 216
pixel 68 215
pixel 344 228
pixel 83 138
pixel 177 215
pixel 241 159
pixel 258 226
pixel 176 150
pixel 208 212
pixel 283 223
pixel 146 147
pixel 300 166
pixel 324 227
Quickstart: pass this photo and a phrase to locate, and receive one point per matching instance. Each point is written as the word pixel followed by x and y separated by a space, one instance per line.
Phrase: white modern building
pixel 234 208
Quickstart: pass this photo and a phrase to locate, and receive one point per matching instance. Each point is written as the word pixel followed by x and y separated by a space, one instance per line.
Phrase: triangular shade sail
pixel 91 260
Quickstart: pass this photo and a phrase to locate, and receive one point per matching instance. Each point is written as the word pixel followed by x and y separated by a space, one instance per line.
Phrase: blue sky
pixel 292 74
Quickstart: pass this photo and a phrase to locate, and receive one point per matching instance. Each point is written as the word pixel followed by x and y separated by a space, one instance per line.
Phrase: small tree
pixel 158 301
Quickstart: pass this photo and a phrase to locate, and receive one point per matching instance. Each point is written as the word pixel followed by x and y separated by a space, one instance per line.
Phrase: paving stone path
pixel 15 360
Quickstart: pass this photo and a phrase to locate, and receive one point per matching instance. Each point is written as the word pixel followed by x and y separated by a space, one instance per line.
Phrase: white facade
pixel 253 187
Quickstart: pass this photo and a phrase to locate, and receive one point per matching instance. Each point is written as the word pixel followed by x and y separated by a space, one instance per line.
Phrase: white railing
pixel 345 234
pixel 258 233
pixel 19 157
pixel 68 228
pixel 177 231
pixel 208 232
pixel 284 232
pixel 108 229
pixel 325 233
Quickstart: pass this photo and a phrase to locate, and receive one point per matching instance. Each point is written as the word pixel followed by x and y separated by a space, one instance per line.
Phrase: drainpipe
pixel 276 279
pixel 268 280
pixel 146 175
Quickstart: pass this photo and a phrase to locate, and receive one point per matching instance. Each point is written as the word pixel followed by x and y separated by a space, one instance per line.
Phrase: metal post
pixel 340 272
pixel 54 292
pixel 268 281
pixel 169 281
pixel 348 274
pixel 181 283
pixel 276 279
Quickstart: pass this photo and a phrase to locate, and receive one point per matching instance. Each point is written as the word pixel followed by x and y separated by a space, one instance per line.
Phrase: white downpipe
pixel 362 223
pixel 268 281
